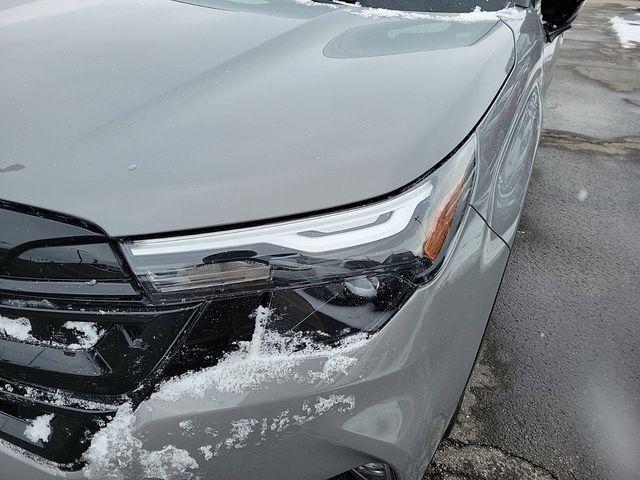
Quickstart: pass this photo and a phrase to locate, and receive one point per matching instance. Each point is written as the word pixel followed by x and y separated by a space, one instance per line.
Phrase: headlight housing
pixel 346 269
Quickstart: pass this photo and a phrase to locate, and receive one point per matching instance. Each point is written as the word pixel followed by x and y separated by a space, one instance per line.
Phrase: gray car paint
pixel 413 373
pixel 406 383
pixel 509 133
pixel 146 117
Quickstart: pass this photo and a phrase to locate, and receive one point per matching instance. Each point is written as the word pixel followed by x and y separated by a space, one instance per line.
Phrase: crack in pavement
pixel 463 455
pixel 575 141
pixel 456 460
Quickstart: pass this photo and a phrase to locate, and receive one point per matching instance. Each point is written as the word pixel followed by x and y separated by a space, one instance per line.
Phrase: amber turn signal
pixel 441 223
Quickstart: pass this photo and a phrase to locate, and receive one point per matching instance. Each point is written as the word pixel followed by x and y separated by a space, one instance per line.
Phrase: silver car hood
pixel 147 116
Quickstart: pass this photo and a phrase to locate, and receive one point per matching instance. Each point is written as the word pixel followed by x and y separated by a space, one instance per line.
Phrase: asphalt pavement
pixel 556 391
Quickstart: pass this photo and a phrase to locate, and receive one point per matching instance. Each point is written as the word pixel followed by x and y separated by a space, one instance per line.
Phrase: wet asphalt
pixel 556 391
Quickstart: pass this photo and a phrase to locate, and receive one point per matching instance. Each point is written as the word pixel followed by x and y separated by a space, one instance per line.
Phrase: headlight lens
pixel 367 258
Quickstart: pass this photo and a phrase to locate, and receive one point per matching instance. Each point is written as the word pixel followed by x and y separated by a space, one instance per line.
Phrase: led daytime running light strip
pixel 314 235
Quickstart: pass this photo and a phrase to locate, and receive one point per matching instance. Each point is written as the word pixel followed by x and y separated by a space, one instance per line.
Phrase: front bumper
pixel 392 404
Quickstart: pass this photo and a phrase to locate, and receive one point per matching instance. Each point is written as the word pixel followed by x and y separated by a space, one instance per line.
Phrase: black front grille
pixel 131 343
pixel 59 279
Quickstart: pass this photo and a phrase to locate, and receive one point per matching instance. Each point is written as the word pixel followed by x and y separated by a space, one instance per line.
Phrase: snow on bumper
pixel 388 397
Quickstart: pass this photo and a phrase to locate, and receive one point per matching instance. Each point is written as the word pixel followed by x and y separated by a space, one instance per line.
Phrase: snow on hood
pixel 477 15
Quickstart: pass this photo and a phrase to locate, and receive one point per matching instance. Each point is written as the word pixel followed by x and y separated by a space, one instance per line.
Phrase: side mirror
pixel 558 15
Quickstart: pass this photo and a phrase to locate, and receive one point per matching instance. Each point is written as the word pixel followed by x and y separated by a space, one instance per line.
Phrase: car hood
pixel 149 116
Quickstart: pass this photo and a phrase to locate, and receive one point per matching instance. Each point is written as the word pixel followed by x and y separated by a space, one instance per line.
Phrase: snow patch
pixel 188 428
pixel 240 431
pixel 165 464
pixel 18 328
pixel 206 452
pixel 245 430
pixel 326 404
pixel 11 302
pixel 281 422
pixel 186 424
pixel 113 448
pixel 477 15
pixel 312 3
pixel 60 398
pixel 261 315
pixel 117 453
pixel 270 357
pixel 40 428
pixel 628 31
pixel 89 334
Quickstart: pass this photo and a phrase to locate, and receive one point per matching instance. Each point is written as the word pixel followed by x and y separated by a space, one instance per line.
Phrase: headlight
pixel 354 267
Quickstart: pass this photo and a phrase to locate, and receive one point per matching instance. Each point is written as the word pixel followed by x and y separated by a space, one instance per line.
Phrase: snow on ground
pixel 117 451
pixel 628 31
pixel 39 429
